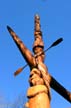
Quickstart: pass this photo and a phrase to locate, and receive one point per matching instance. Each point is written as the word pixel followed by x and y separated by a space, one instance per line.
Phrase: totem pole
pixel 40 80
pixel 39 92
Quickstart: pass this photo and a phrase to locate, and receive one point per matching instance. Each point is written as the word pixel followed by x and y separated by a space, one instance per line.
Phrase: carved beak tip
pixel 9 29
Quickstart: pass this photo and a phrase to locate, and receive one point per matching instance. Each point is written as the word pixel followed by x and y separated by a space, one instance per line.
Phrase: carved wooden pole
pixel 40 80
pixel 39 92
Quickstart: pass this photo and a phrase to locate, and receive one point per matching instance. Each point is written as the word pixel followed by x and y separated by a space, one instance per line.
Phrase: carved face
pixel 35 77
pixel 41 57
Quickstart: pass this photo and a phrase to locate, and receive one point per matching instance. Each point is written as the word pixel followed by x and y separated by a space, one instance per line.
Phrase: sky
pixel 55 18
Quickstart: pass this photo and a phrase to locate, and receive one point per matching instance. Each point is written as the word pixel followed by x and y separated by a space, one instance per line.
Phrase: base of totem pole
pixel 38 97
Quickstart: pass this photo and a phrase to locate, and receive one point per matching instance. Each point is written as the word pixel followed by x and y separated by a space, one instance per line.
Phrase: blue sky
pixel 55 17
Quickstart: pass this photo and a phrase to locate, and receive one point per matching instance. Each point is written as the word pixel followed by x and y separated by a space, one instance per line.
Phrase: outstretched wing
pixel 60 89
pixel 23 49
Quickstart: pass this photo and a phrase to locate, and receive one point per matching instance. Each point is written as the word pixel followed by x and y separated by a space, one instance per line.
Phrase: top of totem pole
pixel 37 16
pixel 37 23
pixel 38 34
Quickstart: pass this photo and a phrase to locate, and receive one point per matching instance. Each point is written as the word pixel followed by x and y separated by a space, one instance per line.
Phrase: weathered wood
pixel 60 89
pixel 26 53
